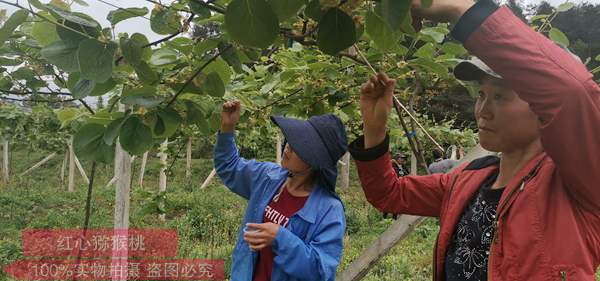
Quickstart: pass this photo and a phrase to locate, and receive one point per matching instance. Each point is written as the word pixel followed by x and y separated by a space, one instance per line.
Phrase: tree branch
pixel 198 71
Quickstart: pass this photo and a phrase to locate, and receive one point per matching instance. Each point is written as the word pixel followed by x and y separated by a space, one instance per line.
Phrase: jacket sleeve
pixel 239 175
pixel 413 195
pixel 558 88
pixel 317 259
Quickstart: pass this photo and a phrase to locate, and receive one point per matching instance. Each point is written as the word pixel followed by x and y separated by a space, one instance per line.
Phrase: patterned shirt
pixel 468 252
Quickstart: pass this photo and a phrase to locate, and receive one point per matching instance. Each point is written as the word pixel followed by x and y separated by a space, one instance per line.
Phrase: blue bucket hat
pixel 319 141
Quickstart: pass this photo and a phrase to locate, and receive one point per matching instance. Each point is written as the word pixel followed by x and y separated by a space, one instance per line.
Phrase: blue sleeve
pixel 317 259
pixel 239 175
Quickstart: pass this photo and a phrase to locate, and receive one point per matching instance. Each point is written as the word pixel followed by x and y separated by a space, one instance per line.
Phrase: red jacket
pixel 548 219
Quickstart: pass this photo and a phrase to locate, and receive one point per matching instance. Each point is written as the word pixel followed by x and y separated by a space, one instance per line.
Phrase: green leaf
pixel 83 88
pixel 193 113
pixel 119 15
pixel 453 49
pixel 99 89
pixel 429 65
pixel 231 57
pixel 393 12
pixel 146 74
pixel 96 59
pixel 201 11
pixel 63 55
pixel 76 18
pixel 565 7
pixel 144 96
pixel 67 114
pixel 559 37
pixel 132 50
pixel 81 2
pixel 205 45
pixel 88 144
pixel 285 9
pixel 379 31
pixel 598 58
pixel 251 22
pixel 37 4
pixel 167 122
pixel 426 51
pixel 437 36
pixel 538 17
pixel 112 131
pixel 163 56
pixel 164 21
pixel 16 19
pixel 135 137
pixel 313 10
pixel 213 85
pixel 92 28
pixel 425 3
pixel 222 68
pixel 44 32
pixel 142 41
pixel 336 32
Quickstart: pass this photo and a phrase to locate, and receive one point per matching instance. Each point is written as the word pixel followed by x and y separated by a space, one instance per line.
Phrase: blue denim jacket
pixel 310 247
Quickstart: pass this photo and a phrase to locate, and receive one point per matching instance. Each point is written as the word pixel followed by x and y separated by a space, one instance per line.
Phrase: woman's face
pixel 505 121
pixel 291 161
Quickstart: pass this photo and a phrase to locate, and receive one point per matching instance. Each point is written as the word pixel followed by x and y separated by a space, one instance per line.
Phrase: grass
pixel 207 221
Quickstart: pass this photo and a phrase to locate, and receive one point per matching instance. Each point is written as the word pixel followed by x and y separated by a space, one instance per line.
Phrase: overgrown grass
pixel 207 221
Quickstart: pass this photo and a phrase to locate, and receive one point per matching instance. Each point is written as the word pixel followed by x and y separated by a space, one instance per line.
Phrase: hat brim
pixel 304 140
pixel 469 71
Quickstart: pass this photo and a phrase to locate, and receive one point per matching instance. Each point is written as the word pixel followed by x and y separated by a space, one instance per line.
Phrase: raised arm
pixel 239 175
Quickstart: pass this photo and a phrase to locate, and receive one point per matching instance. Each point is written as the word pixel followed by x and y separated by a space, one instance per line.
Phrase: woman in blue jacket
pixel 294 225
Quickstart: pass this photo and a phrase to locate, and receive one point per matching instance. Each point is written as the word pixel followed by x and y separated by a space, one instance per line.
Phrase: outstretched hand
pixel 230 116
pixel 375 106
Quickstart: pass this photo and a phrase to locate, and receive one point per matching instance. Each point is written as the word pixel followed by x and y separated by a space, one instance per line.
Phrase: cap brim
pixel 467 71
pixel 473 70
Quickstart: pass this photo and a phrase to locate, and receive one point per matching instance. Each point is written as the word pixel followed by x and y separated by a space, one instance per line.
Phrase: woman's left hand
pixel 263 236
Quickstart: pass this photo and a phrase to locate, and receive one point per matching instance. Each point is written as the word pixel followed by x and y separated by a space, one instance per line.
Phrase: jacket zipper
pixel 524 180
pixel 563 276
pixel 438 236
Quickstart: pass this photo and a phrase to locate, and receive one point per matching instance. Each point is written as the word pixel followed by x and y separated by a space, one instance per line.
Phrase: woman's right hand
pixel 375 106
pixel 230 116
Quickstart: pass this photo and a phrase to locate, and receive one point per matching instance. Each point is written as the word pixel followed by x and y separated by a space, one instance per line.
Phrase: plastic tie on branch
pixel 411 134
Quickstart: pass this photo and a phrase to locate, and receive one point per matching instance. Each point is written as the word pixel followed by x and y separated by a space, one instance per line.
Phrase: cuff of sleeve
pixel 225 136
pixel 358 151
pixel 472 19
pixel 281 236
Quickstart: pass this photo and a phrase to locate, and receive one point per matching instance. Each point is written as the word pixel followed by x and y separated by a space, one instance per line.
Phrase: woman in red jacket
pixel 534 212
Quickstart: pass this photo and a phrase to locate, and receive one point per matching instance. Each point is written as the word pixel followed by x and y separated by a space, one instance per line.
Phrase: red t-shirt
pixel 276 212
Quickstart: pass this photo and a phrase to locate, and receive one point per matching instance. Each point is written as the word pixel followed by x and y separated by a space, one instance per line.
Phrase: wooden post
pixel 121 224
pixel 5 167
pixel 71 183
pixel 413 164
pixel 143 168
pixel 162 181
pixel 208 179
pixel 278 151
pixel 38 164
pixel 81 171
pixel 345 180
pixel 394 234
pixel 64 167
pixel 188 162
